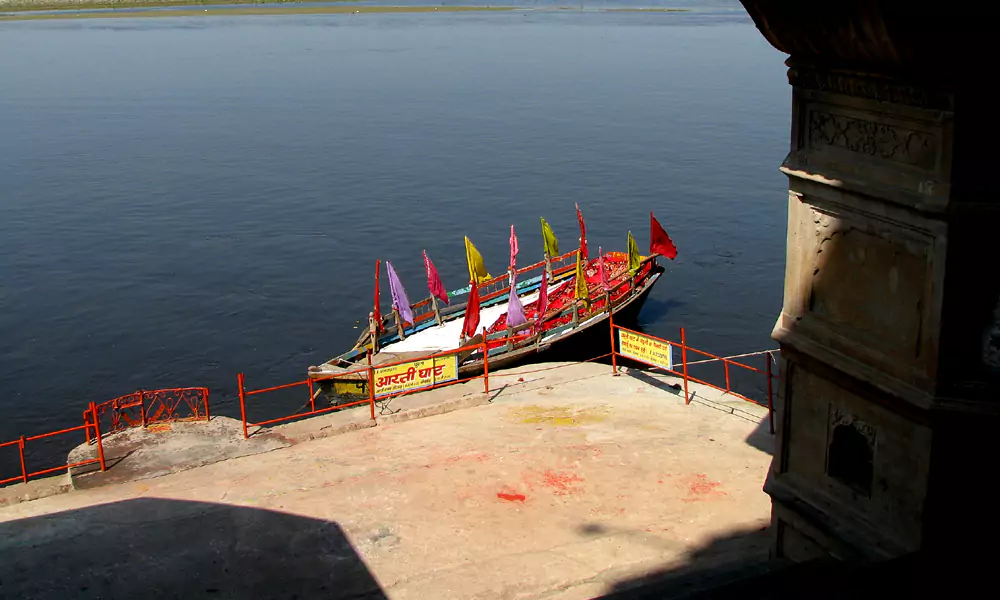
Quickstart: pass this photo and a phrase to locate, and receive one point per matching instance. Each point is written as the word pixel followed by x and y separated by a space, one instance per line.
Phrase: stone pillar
pixel 890 328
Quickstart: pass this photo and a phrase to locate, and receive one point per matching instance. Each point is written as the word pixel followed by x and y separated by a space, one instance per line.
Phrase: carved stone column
pixel 890 328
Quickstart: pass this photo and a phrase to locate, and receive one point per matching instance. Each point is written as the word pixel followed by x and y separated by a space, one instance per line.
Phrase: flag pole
pixel 437 313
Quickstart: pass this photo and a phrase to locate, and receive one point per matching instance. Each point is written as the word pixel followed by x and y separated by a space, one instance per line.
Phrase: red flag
pixel 471 322
pixel 543 301
pixel 377 314
pixel 434 280
pixel 583 235
pixel 659 241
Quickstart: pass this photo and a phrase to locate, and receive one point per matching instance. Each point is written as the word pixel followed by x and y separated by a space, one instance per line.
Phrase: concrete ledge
pixel 439 408
pixel 34 489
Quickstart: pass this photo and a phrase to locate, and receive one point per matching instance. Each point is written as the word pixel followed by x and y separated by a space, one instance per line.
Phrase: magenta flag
pixel 513 249
pixel 515 310
pixel 434 280
pixel 543 300
pixel 399 300
pixel 601 270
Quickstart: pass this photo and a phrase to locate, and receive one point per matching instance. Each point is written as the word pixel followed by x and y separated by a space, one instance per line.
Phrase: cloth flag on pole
pixel 633 255
pixel 434 280
pixel 477 269
pixel 399 300
pixel 581 293
pixel 659 241
pixel 515 310
pixel 550 240
pixel 602 270
pixel 543 301
pixel 583 234
pixel 471 322
pixel 376 313
pixel 513 249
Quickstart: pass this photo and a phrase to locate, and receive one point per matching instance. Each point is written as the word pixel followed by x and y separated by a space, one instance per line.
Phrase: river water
pixel 187 198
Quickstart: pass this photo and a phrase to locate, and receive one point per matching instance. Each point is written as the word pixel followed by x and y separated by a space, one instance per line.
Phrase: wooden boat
pixel 435 330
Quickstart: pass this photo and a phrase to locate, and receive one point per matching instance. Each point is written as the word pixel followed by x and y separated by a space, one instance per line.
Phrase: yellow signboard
pixel 415 375
pixel 645 349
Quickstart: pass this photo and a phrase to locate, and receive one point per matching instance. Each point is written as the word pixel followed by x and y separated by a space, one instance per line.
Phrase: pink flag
pixel 513 249
pixel 434 280
pixel 543 301
pixel 601 270
pixel 515 310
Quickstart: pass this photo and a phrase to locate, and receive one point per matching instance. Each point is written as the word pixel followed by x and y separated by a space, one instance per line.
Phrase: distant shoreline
pixel 17 10
pixel 33 5
pixel 143 9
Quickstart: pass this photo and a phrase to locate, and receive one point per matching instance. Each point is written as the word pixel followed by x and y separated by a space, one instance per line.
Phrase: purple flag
pixel 515 311
pixel 399 301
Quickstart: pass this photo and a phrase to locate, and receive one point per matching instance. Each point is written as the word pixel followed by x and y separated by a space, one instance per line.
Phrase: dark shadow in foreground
pixel 177 549
pixel 733 568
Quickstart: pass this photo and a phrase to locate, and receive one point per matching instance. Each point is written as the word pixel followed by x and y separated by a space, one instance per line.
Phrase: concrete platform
pixel 568 484
pixel 157 450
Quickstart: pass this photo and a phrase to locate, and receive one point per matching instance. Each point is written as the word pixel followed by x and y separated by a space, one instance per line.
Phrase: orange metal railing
pixel 138 409
pixel 727 362
pixel 369 371
pixel 91 422
pixel 145 407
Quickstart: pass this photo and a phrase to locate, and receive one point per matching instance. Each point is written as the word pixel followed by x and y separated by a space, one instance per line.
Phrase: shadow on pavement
pixel 177 549
pixel 725 570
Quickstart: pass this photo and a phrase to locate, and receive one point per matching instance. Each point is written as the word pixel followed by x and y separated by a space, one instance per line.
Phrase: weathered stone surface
pixel 890 320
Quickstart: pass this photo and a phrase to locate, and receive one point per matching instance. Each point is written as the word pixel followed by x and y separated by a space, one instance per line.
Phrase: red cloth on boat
pixel 659 241
pixel 583 234
pixel 616 265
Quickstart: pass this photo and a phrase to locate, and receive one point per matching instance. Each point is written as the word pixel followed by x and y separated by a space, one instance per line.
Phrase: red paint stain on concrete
pixel 511 497
pixel 561 483
pixel 700 487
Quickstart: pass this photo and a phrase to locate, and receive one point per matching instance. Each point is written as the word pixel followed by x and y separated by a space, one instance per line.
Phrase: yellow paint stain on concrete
pixel 558 416
pixel 159 428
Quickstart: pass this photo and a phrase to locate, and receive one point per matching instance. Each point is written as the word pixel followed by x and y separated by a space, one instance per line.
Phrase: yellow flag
pixel 633 255
pixel 549 238
pixel 581 292
pixel 477 269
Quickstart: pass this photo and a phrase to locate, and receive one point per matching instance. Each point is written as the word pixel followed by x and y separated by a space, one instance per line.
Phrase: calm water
pixel 184 198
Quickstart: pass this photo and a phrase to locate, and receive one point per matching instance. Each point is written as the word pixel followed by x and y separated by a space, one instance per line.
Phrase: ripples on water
pixel 188 198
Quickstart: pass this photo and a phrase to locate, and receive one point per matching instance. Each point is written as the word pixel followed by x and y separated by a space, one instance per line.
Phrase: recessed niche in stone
pixel 850 458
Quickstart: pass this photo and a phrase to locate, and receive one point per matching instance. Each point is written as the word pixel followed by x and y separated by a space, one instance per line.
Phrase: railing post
pixel 86 421
pixel 486 367
pixel 371 388
pixel 312 397
pixel 207 415
pixel 243 404
pixel 142 407
pixel 97 434
pixel 770 401
pixel 611 325
pixel 726 364
pixel 684 363
pixel 24 471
